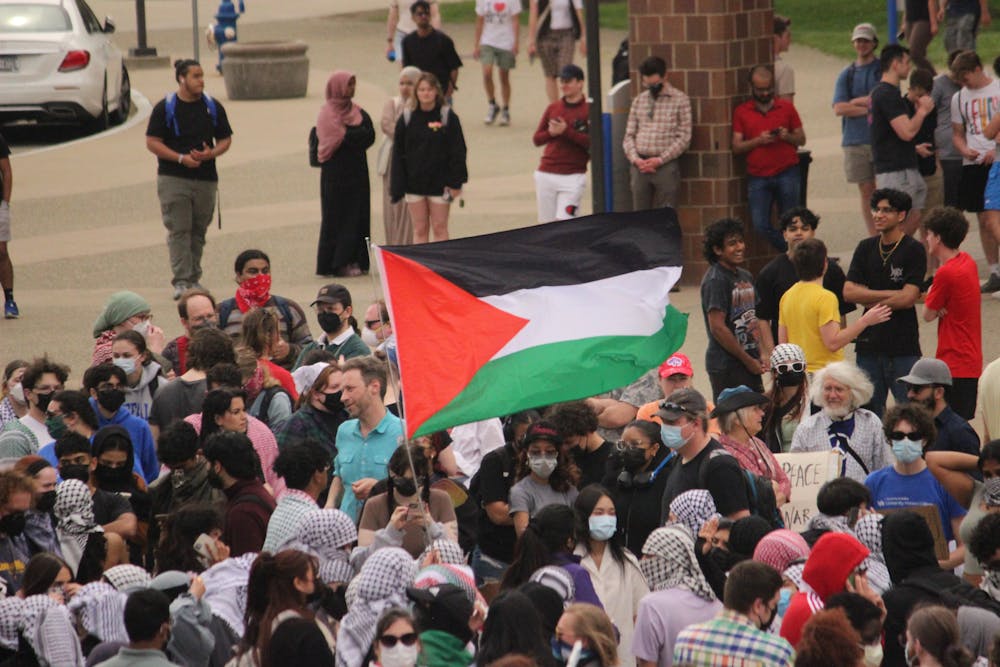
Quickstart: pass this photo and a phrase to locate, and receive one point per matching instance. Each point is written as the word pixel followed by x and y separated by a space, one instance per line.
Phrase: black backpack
pixel 760 494
pixel 265 402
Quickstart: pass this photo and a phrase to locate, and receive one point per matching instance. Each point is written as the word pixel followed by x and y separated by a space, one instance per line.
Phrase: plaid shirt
pixel 658 128
pixel 731 640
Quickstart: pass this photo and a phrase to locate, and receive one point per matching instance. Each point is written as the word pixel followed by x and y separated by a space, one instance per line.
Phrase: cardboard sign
pixel 932 516
pixel 807 471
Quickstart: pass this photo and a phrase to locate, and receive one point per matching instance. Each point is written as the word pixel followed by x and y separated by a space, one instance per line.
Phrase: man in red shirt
pixel 564 131
pixel 954 301
pixel 769 130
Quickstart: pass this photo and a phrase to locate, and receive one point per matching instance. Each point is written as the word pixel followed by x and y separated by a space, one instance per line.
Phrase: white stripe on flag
pixel 630 304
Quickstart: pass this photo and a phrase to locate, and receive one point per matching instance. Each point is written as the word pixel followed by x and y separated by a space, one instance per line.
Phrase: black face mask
pixel 770 621
pixel 80 471
pixel 108 476
pixel 12 525
pixel 406 486
pixel 214 480
pixel 329 322
pixel 633 459
pixel 46 501
pixel 111 399
pixel 42 401
pixel 332 402
pixel 656 88
pixel 791 378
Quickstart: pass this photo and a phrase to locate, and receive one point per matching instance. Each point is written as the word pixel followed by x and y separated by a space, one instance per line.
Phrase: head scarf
pixel 334 116
pixel 381 585
pixel 119 307
pixel 10 621
pixel 672 562
pixel 448 552
pixel 457 575
pixel 558 579
pixel 869 532
pixel 74 511
pixel 991 492
pixel 127 578
pixel 829 524
pixel 100 609
pixel 226 590
pixel 781 548
pixel 693 509
pixel 794 574
pixel 411 74
pixel 305 376
pixel 324 533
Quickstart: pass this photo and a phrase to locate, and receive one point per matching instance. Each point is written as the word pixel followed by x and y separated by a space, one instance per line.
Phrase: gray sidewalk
pixel 86 216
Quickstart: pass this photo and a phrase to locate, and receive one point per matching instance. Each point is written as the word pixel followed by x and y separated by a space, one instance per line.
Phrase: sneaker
pixel 10 310
pixel 180 288
pixel 491 115
pixel 991 285
pixel 504 117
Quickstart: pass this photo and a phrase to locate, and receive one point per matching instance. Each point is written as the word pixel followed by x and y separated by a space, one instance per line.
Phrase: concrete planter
pixel 265 70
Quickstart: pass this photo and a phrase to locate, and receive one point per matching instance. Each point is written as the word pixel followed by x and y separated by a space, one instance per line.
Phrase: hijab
pixel 334 116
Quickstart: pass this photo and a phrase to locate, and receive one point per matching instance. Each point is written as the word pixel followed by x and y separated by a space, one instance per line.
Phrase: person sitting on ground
pixel 592 628
pixel 39 527
pixel 143 374
pixel 866 618
pixel 87 549
pixel 183 395
pixel 249 505
pixel 335 315
pixel 305 467
pixel 788 397
pixel 183 547
pixel 840 389
pixel 545 477
pixel 829 640
pixel 124 311
pixel 267 400
pixel 444 615
pixel 106 384
pixel 908 482
pixel 196 309
pixel 932 637
pixel 984 546
pixel 839 503
pixel 253 275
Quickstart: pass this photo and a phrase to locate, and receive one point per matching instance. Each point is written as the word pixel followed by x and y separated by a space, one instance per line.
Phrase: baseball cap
pixel 864 31
pixel 928 371
pixel 677 364
pixel 685 401
pixel 542 430
pixel 571 72
pixel 332 293
pixel 447 608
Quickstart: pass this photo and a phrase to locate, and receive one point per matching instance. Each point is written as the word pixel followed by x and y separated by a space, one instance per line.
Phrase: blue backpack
pixel 171 109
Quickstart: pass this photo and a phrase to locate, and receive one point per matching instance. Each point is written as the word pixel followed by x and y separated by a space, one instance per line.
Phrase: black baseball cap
pixel 571 72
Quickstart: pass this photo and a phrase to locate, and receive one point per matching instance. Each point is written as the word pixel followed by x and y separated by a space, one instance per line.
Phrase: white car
pixel 58 65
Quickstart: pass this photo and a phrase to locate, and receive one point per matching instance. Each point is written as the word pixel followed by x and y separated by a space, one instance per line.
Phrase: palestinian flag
pixel 490 325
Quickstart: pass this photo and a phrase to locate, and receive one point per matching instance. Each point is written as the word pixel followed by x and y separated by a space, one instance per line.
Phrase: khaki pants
pixel 187 206
pixel 655 190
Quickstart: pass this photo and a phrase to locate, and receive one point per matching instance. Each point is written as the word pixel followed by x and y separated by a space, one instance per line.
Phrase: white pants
pixel 558 195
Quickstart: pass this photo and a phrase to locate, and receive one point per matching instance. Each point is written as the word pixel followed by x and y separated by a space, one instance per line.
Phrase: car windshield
pixel 33 18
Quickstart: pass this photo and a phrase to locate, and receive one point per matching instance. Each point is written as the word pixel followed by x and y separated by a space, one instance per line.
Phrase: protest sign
pixel 807 471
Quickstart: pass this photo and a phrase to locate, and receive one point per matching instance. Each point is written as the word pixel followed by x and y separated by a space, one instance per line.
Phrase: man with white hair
pixel 840 390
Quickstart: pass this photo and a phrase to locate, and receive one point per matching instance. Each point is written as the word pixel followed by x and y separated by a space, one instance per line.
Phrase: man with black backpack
pixel 187 131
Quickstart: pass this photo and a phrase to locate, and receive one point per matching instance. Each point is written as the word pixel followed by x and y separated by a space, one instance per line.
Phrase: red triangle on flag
pixel 444 335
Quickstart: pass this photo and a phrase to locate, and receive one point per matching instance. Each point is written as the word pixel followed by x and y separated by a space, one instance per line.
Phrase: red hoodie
pixel 831 560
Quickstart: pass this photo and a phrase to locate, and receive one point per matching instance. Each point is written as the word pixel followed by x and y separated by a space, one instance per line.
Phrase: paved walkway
pixel 86 216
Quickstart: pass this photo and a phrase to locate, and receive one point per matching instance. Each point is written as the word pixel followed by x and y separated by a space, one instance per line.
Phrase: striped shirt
pixel 731 640
pixel 658 128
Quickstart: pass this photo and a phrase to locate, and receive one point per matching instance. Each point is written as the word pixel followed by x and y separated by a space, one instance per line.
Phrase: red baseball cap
pixel 677 364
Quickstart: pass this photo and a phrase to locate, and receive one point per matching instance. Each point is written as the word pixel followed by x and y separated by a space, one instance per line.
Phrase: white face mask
pixel 141 328
pixel 873 654
pixel 369 337
pixel 399 655
pixel 17 393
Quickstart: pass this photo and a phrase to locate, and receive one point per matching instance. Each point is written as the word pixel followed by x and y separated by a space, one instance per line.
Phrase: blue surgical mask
pixel 602 527
pixel 907 451
pixel 784 599
pixel 672 436
pixel 127 364
pixel 561 652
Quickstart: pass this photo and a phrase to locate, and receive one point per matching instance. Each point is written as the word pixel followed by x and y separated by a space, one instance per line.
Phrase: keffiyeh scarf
pixel 74 510
pixel 324 533
pixel 673 563
pixel 868 530
pixel 693 509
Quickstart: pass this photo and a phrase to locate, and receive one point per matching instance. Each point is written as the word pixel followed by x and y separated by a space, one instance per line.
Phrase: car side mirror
pixel 109 25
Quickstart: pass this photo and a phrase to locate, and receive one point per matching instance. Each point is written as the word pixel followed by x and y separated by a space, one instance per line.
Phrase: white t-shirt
pixel 498 22
pixel 38 428
pixel 560 18
pixel 405 23
pixel 974 109
pixel 471 442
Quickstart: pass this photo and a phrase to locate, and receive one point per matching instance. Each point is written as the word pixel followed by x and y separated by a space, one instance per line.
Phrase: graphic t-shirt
pixel 732 292
pixel 974 108
pixel 890 489
pixel 498 22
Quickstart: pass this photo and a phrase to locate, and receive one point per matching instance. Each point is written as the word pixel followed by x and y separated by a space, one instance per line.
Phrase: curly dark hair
pixel 917 415
pixel 573 418
pixel 716 234
pixel 985 538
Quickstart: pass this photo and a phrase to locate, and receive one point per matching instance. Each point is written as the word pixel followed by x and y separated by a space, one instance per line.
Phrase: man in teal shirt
pixel 364 443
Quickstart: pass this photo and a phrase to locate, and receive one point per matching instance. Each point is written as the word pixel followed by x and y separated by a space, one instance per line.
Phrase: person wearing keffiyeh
pixel 85 547
pixel 868 530
pixel 693 509
pixel 379 586
pixel 327 534
pixel 681 596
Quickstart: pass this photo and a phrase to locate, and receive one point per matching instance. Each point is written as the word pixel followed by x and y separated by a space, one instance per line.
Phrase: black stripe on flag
pixel 568 252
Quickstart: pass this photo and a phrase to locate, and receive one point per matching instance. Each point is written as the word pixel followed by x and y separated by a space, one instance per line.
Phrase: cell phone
pixel 775 132
pixel 204 546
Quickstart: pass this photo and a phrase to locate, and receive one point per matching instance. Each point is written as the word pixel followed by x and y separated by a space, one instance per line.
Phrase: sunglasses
pixel 914 436
pixel 674 407
pixel 373 324
pixel 388 641
pixel 791 367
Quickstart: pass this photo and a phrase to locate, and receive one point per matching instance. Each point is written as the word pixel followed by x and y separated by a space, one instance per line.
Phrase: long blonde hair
pixel 594 624
pixel 412 103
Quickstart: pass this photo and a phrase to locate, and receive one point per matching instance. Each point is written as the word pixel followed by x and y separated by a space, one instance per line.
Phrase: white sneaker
pixel 491 113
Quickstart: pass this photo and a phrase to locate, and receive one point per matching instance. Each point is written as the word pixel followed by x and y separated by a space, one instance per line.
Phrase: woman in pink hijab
pixel 345 132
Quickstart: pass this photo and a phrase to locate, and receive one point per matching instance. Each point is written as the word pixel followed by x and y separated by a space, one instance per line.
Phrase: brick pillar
pixel 710 47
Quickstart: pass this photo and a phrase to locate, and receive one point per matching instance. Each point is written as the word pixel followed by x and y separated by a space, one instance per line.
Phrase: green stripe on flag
pixel 556 372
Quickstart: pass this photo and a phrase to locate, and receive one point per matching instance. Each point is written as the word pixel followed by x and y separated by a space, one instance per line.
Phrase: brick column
pixel 710 47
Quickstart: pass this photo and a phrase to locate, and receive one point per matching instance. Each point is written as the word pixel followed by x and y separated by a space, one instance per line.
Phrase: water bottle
pixel 391 55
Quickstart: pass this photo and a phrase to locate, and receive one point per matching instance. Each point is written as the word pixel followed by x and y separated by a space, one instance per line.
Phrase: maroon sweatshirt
pixel 248 510
pixel 569 152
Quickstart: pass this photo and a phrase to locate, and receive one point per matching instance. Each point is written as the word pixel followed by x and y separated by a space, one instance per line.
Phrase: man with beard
pixel 768 131
pixel 196 309
pixel 926 384
pixel 106 385
pixel 249 505
pixel 305 467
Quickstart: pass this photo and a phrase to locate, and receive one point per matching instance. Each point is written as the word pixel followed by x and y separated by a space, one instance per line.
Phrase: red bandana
pixel 253 292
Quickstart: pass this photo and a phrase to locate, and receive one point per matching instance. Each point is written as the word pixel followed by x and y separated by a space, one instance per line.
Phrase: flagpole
pixel 394 380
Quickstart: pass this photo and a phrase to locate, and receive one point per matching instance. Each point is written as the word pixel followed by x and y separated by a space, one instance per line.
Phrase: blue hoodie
pixel 146 463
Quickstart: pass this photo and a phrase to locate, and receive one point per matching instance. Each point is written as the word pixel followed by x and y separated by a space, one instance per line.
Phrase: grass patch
pixel 614 15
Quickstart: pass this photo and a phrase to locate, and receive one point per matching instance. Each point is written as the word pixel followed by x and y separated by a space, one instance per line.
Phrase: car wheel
pixel 120 114
pixel 102 120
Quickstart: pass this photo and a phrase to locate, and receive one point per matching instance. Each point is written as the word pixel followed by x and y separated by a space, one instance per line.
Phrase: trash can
pixel 805 159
